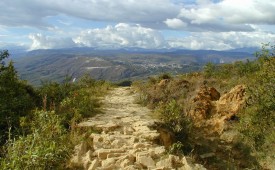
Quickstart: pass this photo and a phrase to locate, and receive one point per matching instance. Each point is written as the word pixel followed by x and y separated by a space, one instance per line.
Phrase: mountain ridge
pixel 116 64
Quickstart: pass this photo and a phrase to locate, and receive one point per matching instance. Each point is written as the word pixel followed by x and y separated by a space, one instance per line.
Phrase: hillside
pixel 223 116
pixel 219 118
pixel 116 65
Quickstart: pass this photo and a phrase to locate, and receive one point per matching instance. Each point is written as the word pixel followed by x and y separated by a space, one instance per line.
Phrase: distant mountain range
pixel 116 65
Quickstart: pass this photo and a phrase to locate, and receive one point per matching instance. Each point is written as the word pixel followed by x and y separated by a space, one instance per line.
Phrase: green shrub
pixel 80 104
pixel 209 70
pixel 125 83
pixel 165 76
pixel 173 116
pixel 176 148
pixel 47 147
pixel 52 93
pixel 258 121
pixel 45 143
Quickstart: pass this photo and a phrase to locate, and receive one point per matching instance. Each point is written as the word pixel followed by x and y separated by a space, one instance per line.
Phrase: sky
pixel 150 24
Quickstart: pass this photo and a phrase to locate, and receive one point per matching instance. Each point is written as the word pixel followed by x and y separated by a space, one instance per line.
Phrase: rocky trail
pixel 125 139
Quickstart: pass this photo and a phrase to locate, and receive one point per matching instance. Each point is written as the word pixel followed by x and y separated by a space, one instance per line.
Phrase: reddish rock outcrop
pixel 203 102
pixel 230 103
pixel 212 110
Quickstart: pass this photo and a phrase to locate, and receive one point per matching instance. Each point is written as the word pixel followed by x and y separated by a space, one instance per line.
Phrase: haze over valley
pixel 116 65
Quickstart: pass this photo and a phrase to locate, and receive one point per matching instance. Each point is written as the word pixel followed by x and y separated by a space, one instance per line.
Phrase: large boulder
pixel 202 103
pixel 211 110
pixel 230 103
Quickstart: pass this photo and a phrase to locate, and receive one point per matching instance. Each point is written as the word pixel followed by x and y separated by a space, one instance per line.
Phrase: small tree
pixel 16 97
pixel 3 55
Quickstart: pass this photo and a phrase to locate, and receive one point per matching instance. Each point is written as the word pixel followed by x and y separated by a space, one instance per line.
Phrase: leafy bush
pixel 209 70
pixel 173 116
pixel 47 147
pixel 17 98
pixel 48 141
pixel 73 101
pixel 176 148
pixel 45 143
pixel 125 83
pixel 80 104
pixel 258 123
pixel 52 93
pixel 165 76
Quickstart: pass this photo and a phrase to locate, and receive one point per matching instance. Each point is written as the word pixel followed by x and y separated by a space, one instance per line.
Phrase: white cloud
pixel 121 35
pixel 118 36
pixel 237 23
pixel 175 23
pixel 40 41
pixel 204 15
pixel 35 12
pixel 124 35
pixel 233 14
pixel 222 40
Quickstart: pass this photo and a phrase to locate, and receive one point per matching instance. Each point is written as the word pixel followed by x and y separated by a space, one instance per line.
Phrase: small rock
pixel 125 163
pixel 139 145
pixel 128 130
pixel 87 159
pixel 159 150
pixel 110 167
pixel 146 161
pixel 152 135
pixel 165 163
pixel 141 128
pixel 230 136
pixel 133 140
pixel 117 143
pixel 107 162
pixel 186 164
pixel 131 167
pixel 80 152
pixel 134 151
pixel 111 126
pixel 94 164
pixel 103 153
pixel 113 155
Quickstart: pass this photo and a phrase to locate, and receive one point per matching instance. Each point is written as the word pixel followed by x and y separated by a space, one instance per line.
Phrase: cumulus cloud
pixel 232 11
pixel 227 15
pixel 212 24
pixel 40 41
pixel 222 40
pixel 175 23
pixel 118 36
pixel 124 35
pixel 121 35
pixel 204 15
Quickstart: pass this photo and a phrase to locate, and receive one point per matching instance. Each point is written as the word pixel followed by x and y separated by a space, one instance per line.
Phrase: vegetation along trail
pixel 125 138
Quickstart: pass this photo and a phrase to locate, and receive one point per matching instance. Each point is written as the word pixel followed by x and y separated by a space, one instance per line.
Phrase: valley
pixel 116 65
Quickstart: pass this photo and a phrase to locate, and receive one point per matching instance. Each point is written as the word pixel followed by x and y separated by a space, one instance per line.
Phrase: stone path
pixel 125 139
